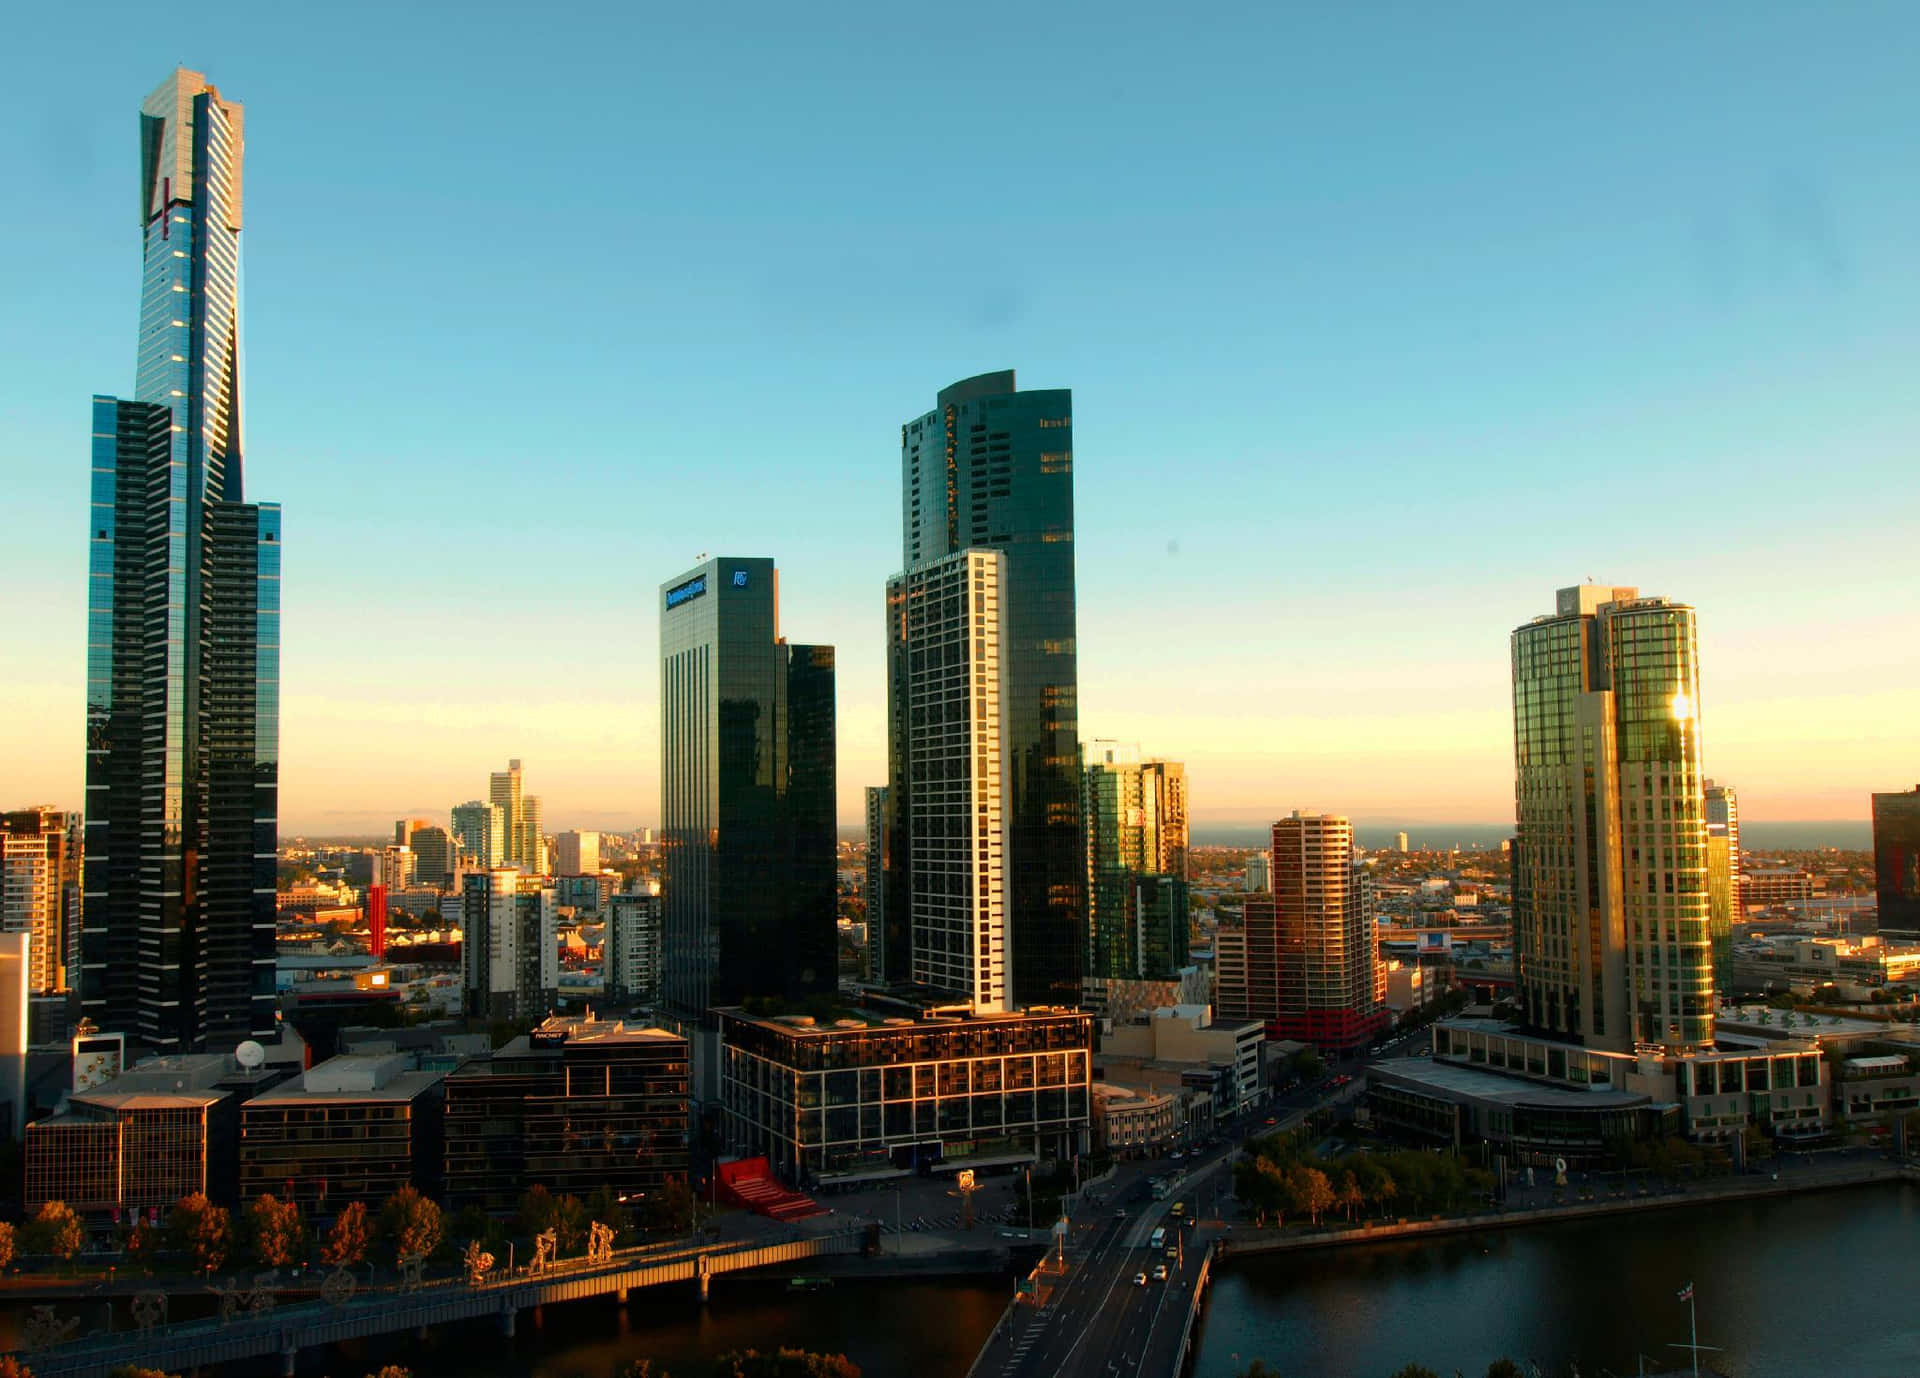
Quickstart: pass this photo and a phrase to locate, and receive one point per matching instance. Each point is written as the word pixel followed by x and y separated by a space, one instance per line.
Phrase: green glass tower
pixel 1612 912
pixel 991 468
pixel 1136 826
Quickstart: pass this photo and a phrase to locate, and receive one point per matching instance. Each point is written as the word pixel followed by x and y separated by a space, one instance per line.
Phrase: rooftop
pixel 1494 1086
pixel 860 1019
pixel 329 1088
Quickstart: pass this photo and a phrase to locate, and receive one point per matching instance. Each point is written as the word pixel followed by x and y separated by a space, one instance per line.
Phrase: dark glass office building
pixel 1896 858
pixel 992 467
pixel 747 803
pixel 183 613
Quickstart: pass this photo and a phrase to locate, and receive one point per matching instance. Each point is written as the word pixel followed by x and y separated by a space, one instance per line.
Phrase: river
pixel 1815 1286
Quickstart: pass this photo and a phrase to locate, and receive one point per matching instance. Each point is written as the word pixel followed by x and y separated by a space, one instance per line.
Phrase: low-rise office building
pixel 1875 1090
pixel 873 1094
pixel 1709 1095
pixel 1133 1122
pixel 137 1143
pixel 575 1105
pixel 1187 1035
pixel 1857 966
pixel 358 1127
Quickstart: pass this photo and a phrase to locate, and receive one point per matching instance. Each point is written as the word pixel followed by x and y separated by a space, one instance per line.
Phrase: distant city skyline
pixel 1329 443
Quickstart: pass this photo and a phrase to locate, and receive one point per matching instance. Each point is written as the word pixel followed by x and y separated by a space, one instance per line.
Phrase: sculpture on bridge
pixel 600 1243
pixel 337 1290
pixel 412 1269
pixel 478 1263
pixel 149 1311
pixel 546 1246
pixel 256 1300
pixel 43 1329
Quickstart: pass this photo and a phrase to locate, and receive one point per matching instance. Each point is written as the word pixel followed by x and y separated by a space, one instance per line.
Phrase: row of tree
pixel 1281 1177
pixel 275 1234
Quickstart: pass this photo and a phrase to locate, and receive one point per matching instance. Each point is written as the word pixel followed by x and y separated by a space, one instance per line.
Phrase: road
pixel 1095 1321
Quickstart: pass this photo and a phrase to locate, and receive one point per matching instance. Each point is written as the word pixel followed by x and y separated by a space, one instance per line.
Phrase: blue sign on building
pixel 739 578
pixel 681 593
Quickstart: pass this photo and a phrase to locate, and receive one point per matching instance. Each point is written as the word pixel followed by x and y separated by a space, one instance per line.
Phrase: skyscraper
pixel 503 792
pixel 480 827
pixel 1312 944
pixel 40 890
pixel 992 468
pixel 510 945
pixel 1135 815
pixel 1611 914
pixel 1723 877
pixel 947 624
pixel 746 794
pixel 183 613
pixel 875 889
pixel 1896 858
pixel 576 854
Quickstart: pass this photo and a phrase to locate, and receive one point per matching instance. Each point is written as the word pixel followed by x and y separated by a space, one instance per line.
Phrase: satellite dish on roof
pixel 250 1055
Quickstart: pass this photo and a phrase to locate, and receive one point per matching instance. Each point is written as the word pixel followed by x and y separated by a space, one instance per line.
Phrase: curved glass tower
pixel 183 611
pixel 1611 905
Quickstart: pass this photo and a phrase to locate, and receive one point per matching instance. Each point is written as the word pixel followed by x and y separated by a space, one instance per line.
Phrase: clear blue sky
pixel 1383 321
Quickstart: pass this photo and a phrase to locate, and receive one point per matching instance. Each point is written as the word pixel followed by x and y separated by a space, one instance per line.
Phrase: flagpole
pixel 1693 1332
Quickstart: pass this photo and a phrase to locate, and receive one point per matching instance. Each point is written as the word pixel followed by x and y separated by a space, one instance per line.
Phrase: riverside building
pixel 874 1093
pixel 1612 934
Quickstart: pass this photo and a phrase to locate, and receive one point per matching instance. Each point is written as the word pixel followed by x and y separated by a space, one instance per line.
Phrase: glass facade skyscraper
pixel 747 802
pixel 991 467
pixel 1136 828
pixel 183 612
pixel 1612 912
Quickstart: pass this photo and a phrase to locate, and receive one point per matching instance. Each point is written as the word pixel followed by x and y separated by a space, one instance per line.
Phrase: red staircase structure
pixel 749 1182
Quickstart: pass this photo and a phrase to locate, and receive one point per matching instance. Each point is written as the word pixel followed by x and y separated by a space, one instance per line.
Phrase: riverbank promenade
pixel 1577 1203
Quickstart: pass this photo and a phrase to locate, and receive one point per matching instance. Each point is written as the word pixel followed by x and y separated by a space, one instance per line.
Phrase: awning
pixel 984 1160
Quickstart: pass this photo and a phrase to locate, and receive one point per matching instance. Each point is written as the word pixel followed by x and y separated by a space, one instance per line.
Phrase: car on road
pixel 1272 1120
pixel 1139 1279
pixel 1159 1272
pixel 1120 1215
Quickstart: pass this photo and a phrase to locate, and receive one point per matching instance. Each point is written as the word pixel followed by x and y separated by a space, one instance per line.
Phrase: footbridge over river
pixel 286 1330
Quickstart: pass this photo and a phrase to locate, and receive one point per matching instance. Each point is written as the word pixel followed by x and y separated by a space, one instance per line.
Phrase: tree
pixel 392 1371
pixel 1309 1066
pixel 1311 1191
pixel 668 1210
pixel 784 1363
pixel 200 1230
pixel 642 1368
pixel 136 1371
pixel 11 1367
pixel 1504 1368
pixel 55 1230
pixel 276 1232
pixel 6 1244
pixel 1258 1369
pixel 1415 1371
pixel 410 1223
pixel 346 1243
pixel 536 1211
pixel 1350 1197
pixel 570 1223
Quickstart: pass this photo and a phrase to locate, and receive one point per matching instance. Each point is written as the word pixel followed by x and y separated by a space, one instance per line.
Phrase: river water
pixel 1815 1286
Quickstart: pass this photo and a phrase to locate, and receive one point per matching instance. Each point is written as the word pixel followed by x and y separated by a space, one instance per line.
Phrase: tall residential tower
pixel 991 469
pixel 183 614
pixel 1612 918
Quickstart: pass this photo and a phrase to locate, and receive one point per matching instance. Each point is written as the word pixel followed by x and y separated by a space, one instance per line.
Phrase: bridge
pixel 263 1329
